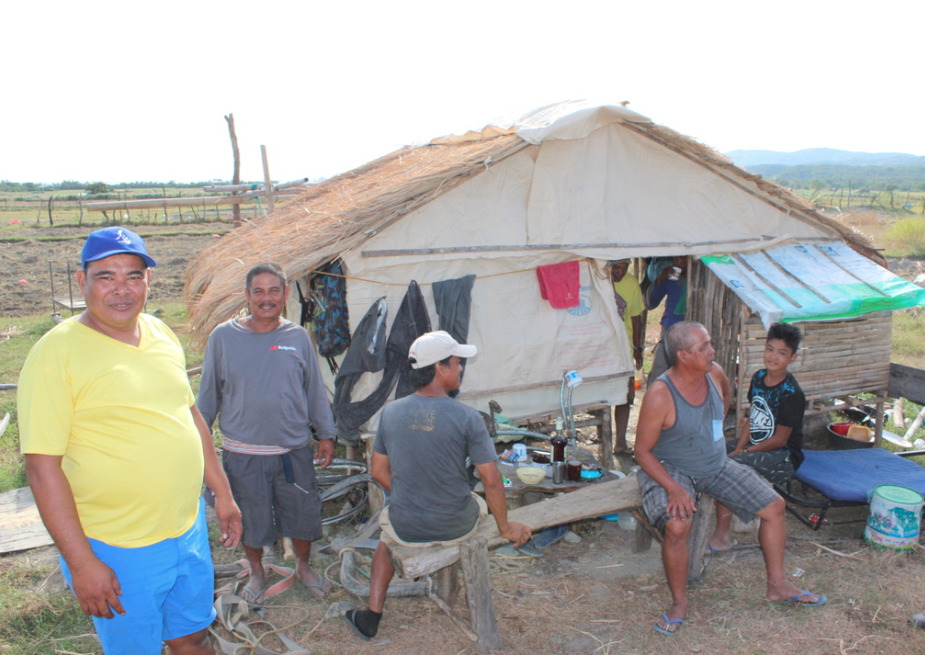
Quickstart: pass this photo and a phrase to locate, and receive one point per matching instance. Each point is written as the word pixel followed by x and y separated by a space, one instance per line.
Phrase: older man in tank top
pixel 681 450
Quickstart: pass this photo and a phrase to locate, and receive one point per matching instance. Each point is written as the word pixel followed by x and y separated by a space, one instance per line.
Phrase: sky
pixel 137 91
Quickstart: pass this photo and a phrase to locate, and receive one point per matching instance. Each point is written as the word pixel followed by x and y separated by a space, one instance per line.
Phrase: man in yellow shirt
pixel 628 297
pixel 116 453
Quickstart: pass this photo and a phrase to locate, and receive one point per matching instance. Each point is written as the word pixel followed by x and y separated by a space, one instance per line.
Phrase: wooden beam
pixel 907 382
pixel 668 246
pixel 172 202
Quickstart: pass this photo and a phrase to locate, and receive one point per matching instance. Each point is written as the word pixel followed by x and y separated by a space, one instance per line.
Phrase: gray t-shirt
pixel 427 441
pixel 264 387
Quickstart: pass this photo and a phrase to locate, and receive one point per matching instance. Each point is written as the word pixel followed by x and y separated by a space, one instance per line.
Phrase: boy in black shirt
pixel 772 440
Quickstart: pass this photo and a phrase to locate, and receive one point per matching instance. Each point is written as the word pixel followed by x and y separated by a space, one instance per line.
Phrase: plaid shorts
pixel 738 487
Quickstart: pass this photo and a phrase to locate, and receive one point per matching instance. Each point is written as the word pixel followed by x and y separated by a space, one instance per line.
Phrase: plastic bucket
pixel 894 518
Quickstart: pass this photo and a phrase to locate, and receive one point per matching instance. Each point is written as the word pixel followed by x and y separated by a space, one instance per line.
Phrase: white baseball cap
pixel 433 347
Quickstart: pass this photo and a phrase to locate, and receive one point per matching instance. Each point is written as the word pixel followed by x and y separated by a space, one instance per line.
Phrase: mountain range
pixel 749 159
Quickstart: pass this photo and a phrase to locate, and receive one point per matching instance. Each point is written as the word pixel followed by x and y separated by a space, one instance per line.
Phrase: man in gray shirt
pixel 681 450
pixel 420 455
pixel 260 377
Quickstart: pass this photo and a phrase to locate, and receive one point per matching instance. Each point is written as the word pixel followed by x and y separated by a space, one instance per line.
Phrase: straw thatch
pixel 331 217
pixel 336 215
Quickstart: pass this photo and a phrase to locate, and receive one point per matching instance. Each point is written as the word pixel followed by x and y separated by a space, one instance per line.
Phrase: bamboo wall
pixel 837 358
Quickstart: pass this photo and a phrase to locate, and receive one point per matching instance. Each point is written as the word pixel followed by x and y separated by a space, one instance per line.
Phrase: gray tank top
pixel 694 444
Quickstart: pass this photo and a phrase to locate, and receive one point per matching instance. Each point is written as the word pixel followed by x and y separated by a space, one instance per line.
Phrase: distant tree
pixel 97 187
pixel 69 185
pixel 890 188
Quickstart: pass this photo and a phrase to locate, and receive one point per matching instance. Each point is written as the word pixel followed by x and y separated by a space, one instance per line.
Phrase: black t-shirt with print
pixel 781 404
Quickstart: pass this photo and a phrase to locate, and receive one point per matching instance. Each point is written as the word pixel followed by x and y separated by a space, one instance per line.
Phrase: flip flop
pixel 795 599
pixel 250 597
pixel 710 551
pixel 318 589
pixel 668 623
pixel 349 617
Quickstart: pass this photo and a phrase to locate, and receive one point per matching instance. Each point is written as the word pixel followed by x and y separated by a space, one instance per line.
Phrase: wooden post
pixel 70 289
pixel 51 277
pixel 606 432
pixel 644 532
pixel 474 559
pixel 236 176
pixel 702 526
pixel 268 184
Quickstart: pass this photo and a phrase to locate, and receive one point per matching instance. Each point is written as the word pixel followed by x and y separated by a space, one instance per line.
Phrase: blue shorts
pixel 167 591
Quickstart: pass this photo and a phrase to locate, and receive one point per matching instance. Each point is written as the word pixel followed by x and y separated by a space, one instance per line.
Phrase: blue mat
pixel 851 475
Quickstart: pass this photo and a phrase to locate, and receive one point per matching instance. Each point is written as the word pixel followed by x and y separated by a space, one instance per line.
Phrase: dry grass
pixel 862 219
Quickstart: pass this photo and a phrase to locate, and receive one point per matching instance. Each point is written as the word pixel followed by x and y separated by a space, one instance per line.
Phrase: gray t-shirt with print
pixel 264 387
pixel 427 440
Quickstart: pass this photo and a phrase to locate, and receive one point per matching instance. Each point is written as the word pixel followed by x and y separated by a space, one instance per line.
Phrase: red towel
pixel 559 283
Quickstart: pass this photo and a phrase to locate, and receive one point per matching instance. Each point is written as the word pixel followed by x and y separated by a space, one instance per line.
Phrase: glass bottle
pixel 558 442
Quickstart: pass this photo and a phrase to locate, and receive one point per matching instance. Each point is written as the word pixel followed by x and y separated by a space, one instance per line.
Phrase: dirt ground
pixel 26 266
pixel 589 593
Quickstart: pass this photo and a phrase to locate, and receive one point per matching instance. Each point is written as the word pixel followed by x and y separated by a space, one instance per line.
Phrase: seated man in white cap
pixel 420 455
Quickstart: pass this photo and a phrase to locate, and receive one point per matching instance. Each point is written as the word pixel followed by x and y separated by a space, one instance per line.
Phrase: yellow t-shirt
pixel 120 417
pixel 628 288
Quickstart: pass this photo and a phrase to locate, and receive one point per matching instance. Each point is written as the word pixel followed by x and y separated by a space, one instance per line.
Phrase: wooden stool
pixel 472 557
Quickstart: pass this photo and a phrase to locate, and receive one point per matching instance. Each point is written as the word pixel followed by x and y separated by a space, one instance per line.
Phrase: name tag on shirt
pixel 717 430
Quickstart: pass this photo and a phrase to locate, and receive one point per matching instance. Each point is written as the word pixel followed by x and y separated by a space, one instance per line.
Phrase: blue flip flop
pixel 795 599
pixel 668 623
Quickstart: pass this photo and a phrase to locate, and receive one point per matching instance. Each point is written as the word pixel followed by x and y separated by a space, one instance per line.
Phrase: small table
pixel 519 493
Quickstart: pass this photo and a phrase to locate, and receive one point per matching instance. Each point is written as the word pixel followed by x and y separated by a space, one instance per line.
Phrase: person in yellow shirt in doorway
pixel 630 304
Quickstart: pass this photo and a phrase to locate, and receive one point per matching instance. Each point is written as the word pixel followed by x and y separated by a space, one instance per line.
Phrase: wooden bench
pixel 472 554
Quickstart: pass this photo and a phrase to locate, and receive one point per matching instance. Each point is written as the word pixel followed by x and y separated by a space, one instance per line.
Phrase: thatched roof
pixel 336 215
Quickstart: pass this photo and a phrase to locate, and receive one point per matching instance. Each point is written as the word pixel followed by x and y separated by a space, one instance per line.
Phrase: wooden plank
pixel 589 502
pixel 5 423
pixel 907 382
pixel 21 526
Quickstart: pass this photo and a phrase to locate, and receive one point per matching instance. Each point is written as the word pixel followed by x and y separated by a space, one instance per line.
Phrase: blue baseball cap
pixel 114 241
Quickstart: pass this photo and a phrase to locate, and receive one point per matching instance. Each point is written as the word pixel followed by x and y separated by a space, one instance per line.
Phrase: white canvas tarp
pixel 593 190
